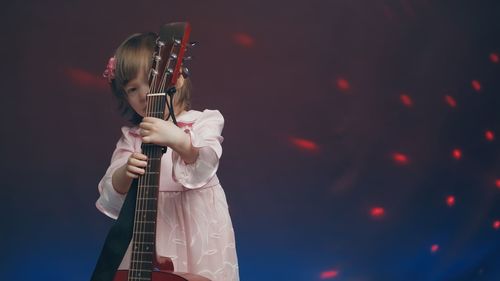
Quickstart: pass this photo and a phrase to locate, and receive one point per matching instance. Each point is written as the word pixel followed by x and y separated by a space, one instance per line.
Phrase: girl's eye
pixel 131 90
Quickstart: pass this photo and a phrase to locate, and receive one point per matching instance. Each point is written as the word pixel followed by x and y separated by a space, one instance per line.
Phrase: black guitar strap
pixel 118 239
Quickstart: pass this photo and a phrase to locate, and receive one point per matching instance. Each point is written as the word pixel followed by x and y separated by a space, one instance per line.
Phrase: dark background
pixel 338 154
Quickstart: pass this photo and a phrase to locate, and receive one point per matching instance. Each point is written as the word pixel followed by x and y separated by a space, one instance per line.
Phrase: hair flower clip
pixel 109 72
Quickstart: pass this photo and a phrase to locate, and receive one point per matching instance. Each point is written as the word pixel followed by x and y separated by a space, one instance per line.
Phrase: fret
pixel 146 215
pixel 148 248
pixel 154 158
pixel 149 185
pixel 142 253
pixel 141 221
pixel 144 232
pixel 149 243
pixel 132 278
pixel 142 256
pixel 145 227
pixel 152 173
pixel 142 270
pixel 143 236
pixel 140 261
pixel 145 200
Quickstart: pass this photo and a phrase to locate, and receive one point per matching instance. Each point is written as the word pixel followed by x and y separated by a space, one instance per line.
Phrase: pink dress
pixel 194 228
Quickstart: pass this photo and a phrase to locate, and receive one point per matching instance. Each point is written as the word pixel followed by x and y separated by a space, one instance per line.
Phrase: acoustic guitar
pixel 168 58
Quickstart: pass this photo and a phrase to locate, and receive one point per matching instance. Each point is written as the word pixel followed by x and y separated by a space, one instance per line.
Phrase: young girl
pixel 194 228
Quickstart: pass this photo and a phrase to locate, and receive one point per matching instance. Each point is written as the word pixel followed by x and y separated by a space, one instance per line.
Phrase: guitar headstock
pixel 169 56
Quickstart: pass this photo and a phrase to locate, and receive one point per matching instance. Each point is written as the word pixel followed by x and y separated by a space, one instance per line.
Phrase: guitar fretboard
pixel 144 234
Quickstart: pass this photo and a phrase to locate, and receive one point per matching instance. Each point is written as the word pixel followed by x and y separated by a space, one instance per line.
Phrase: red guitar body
pixel 164 273
pixel 122 275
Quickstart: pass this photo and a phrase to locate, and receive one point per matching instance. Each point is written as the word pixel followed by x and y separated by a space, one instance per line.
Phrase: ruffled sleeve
pixel 110 201
pixel 205 135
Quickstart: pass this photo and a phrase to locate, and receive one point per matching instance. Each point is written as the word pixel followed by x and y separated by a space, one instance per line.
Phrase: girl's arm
pixel 111 200
pixel 184 147
pixel 205 137
pixel 121 183
pixel 123 176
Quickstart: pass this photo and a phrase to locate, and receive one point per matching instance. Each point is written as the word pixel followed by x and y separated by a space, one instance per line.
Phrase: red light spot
pixel 450 101
pixel 434 248
pixel 86 79
pixel 476 85
pixel 494 58
pixel 457 153
pixel 489 135
pixel 244 40
pixel 400 158
pixel 377 212
pixel 497 183
pixel 406 100
pixel 450 201
pixel 304 144
pixel 343 84
pixel 496 224
pixel 329 274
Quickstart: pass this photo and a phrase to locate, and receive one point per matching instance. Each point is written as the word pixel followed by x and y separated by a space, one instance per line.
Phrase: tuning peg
pixel 188 58
pixel 160 43
pixel 170 71
pixel 185 72
pixel 192 44
pixel 157 58
pixel 173 55
pixel 177 41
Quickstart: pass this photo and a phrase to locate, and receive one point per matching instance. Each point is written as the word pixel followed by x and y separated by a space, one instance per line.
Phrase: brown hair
pixel 134 54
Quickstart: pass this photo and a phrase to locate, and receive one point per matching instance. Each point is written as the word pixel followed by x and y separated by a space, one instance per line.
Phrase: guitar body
pixel 122 275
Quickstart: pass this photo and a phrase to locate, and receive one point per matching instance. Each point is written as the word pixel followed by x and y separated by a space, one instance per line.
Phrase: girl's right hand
pixel 135 165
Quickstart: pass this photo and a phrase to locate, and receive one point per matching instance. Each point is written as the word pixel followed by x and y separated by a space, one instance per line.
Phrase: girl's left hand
pixel 160 132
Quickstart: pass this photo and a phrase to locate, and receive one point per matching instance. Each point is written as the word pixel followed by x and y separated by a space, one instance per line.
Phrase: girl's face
pixel 137 89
